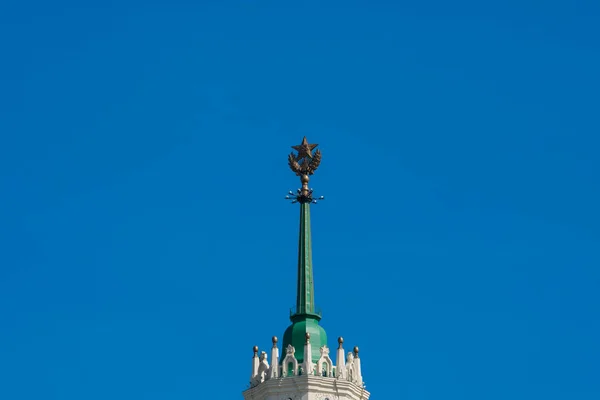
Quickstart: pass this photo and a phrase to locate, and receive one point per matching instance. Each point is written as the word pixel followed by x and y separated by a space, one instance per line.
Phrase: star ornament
pixel 304 149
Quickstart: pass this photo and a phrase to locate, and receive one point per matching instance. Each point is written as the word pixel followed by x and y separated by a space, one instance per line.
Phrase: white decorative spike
pixel 273 372
pixel 254 363
pixel 340 369
pixel 307 365
pixel 357 367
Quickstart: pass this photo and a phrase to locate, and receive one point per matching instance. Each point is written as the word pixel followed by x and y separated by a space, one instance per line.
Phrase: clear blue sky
pixel 145 246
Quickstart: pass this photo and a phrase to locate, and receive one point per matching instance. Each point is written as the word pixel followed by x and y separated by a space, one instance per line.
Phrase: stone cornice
pixel 306 384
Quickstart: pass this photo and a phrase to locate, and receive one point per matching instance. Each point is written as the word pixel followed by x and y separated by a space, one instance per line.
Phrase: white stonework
pixel 324 365
pixel 320 381
pixel 289 358
pixel 306 387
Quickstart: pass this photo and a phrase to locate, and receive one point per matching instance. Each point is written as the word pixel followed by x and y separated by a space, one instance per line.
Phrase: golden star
pixel 304 149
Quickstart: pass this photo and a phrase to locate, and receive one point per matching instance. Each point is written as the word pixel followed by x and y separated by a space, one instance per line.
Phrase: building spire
pixel 305 317
pixel 305 369
pixel 304 164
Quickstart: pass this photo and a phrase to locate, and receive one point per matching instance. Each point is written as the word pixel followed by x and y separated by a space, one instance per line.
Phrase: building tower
pixel 305 370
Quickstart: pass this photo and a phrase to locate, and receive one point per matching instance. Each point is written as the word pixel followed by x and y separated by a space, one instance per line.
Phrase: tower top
pixel 305 316
pixel 305 370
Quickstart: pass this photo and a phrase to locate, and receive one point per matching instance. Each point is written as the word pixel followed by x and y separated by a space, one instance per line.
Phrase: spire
pixel 304 164
pixel 305 317
pixel 305 294
pixel 305 369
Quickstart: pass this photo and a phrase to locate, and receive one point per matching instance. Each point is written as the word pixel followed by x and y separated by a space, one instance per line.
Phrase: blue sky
pixel 145 246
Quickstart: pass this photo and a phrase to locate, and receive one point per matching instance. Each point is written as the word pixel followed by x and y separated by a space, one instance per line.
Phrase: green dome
pixel 295 335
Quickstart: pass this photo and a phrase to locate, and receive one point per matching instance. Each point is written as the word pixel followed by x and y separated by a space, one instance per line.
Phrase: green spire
pixel 305 318
pixel 305 295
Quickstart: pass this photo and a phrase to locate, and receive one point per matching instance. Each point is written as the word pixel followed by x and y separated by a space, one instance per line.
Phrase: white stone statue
pixel 350 373
pixel 263 368
pixel 290 350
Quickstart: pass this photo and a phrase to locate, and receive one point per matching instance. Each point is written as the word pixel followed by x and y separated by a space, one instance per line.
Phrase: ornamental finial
pixel 303 164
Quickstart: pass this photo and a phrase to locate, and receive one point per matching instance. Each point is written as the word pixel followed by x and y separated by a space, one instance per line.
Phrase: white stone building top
pixel 290 378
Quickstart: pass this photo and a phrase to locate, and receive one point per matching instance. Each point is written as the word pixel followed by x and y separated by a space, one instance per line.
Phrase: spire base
pixel 297 315
pixel 295 335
